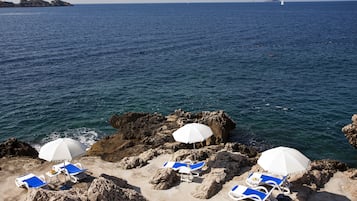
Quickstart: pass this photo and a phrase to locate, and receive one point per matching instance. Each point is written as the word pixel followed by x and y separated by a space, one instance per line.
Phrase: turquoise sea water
pixel 287 75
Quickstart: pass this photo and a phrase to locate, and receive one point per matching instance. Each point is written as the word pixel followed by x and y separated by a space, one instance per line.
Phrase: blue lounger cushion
pixel 239 192
pixel 72 169
pixel 31 181
pixel 178 165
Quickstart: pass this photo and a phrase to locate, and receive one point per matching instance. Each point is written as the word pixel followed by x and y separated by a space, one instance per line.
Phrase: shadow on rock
pixel 327 196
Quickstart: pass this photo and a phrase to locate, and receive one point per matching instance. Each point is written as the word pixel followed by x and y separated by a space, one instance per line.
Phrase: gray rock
pixel 13 147
pixel 211 185
pixel 164 178
pixel 141 160
pixel 320 173
pixel 112 188
pixel 223 166
pixel 49 195
pixel 103 188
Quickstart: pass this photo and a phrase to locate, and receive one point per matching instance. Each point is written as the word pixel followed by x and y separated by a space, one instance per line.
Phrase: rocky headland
pixel 126 165
pixel 34 3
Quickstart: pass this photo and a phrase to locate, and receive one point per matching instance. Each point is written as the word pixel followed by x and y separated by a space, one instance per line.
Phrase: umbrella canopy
pixel 283 161
pixel 62 149
pixel 192 133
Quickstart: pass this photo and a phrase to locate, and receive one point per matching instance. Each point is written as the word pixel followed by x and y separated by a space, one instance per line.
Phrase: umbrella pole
pixel 194 154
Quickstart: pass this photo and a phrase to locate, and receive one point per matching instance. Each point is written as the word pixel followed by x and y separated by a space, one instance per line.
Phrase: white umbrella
pixel 62 149
pixel 192 133
pixel 283 161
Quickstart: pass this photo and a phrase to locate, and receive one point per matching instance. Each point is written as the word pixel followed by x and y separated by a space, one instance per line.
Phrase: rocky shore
pixel 128 165
pixel 350 131
pixel 34 3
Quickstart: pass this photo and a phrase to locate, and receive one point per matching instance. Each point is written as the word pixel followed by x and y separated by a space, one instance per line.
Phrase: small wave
pixel 278 107
pixel 86 136
pixel 283 108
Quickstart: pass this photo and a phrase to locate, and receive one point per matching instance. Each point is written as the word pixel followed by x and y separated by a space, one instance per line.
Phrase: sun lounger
pixel 282 184
pixel 74 171
pixel 175 165
pixel 178 165
pixel 187 171
pixel 258 193
pixel 31 181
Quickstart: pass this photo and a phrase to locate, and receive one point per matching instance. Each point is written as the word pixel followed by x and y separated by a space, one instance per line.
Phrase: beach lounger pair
pixel 187 170
pixel 74 171
pixel 255 191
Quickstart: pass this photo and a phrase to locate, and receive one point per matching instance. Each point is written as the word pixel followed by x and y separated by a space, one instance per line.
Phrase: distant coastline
pixel 34 3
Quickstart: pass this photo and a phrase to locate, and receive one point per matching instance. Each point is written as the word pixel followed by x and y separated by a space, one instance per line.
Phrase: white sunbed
pixel 31 181
pixel 187 171
pixel 258 193
pixel 74 171
pixel 280 183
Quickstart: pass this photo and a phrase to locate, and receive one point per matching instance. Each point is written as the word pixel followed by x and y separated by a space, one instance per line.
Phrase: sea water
pixel 287 75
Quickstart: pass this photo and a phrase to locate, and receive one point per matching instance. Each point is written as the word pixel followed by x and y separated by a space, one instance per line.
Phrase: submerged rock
pixel 13 147
pixel 350 131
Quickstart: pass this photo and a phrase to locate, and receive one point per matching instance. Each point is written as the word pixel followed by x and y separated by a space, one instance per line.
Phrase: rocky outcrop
pixel 220 123
pixel 105 187
pixel 45 195
pixel 13 147
pixel 138 132
pixel 142 159
pixel 112 188
pixel 34 3
pixel 320 173
pixel 60 3
pixel 164 178
pixel 241 148
pixel 222 167
pixel 350 131
pixel 6 4
pixel 211 184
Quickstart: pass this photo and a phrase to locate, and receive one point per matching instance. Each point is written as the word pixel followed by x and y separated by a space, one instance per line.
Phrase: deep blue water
pixel 287 75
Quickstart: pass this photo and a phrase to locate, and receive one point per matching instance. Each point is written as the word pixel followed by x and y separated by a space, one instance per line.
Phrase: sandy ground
pixel 339 188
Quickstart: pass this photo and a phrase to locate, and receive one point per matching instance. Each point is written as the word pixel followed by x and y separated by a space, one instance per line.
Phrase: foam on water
pixel 86 136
